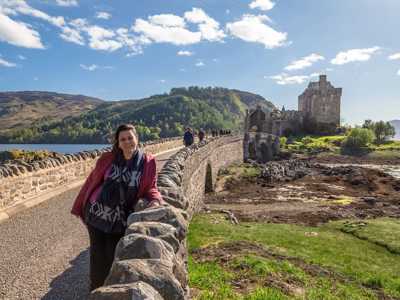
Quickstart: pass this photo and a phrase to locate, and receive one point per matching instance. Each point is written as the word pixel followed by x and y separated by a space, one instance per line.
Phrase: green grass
pixel 364 263
pixel 383 231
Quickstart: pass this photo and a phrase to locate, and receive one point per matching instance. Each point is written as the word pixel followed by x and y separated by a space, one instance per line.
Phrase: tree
pixel 382 130
pixel 358 139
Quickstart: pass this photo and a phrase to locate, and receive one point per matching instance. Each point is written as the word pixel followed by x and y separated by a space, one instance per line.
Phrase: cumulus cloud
pixel 208 27
pixel 101 39
pixel 354 55
pixel 252 28
pixel 103 15
pixel 72 35
pixel 7 64
pixel 167 20
pixel 185 53
pixel 285 79
pixel 262 4
pixel 394 56
pixel 15 7
pixel 304 62
pixel 67 3
pixel 167 32
pixel 18 33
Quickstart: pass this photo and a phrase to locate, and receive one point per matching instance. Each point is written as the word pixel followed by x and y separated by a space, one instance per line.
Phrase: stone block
pixel 133 291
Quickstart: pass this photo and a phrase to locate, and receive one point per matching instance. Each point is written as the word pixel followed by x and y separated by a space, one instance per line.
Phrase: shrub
pixel 358 139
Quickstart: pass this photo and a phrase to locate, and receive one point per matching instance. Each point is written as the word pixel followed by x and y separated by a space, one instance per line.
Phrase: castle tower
pixel 321 101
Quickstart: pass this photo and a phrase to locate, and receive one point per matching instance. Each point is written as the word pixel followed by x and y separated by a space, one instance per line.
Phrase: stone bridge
pixel 44 249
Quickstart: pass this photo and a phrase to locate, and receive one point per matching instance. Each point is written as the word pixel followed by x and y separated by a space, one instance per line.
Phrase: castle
pixel 318 112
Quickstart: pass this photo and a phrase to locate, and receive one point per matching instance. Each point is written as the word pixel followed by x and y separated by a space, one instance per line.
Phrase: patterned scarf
pixel 118 194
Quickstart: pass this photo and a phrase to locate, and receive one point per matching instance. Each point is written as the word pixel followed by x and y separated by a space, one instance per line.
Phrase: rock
pixel 162 231
pixel 164 214
pixel 369 200
pixel 133 291
pixel 142 246
pixel 155 272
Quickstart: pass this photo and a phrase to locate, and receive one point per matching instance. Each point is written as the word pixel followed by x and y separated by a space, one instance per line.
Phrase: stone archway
pixel 209 186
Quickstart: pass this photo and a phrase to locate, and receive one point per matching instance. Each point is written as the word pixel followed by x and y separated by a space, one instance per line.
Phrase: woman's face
pixel 127 141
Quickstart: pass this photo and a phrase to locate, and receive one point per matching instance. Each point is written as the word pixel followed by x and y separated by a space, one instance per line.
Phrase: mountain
pixel 396 124
pixel 23 109
pixel 157 116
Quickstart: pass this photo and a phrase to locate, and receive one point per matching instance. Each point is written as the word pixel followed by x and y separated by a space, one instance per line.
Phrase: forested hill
pixel 155 117
pixel 23 109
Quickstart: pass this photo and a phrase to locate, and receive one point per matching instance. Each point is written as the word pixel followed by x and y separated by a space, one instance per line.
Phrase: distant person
pixel 201 135
pixel 188 137
pixel 109 196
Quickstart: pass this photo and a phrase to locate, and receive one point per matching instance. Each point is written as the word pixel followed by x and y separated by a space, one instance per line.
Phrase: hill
pixel 23 109
pixel 158 116
pixel 396 124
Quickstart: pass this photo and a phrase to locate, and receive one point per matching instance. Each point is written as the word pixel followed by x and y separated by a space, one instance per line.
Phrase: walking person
pixel 188 137
pixel 110 194
pixel 201 135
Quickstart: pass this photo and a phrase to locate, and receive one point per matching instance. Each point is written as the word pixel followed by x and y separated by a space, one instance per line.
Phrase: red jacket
pixel 147 186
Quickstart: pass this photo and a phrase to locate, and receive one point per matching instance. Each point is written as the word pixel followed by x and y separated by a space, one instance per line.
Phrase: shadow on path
pixel 73 283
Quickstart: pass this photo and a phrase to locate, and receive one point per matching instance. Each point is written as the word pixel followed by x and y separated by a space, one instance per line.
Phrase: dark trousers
pixel 102 249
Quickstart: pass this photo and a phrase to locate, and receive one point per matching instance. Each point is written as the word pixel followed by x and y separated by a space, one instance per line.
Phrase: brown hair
pixel 123 127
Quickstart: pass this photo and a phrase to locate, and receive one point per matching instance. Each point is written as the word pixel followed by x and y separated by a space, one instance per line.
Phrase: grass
pixel 331 144
pixel 384 232
pixel 364 263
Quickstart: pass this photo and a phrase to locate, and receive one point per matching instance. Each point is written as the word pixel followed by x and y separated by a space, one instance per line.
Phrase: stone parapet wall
pixel 21 181
pixel 151 259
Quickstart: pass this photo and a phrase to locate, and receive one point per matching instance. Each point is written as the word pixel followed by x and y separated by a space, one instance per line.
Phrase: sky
pixel 119 49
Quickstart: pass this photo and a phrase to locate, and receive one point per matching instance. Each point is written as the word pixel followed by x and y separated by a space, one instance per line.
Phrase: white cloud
pixel 353 55
pixel 15 7
pixel 94 67
pixel 5 63
pixel 398 72
pixel 101 39
pixel 184 53
pixel 162 81
pixel 72 35
pixel 199 64
pixel 103 15
pixel 252 28
pixel 304 62
pixel 262 4
pixel 167 20
pixel 394 56
pixel 285 79
pixel 208 27
pixel 228 11
pixel 89 68
pixel 21 57
pixel 18 33
pixel 67 3
pixel 153 32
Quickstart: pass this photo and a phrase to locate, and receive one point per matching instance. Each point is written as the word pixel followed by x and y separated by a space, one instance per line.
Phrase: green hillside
pixel 155 117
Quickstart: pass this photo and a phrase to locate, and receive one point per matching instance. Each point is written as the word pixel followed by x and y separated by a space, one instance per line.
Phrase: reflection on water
pixel 61 148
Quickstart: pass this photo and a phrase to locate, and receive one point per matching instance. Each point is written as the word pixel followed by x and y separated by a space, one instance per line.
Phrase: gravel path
pixel 44 251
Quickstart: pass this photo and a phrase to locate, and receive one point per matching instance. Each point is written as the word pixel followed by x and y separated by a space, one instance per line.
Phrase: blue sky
pixel 132 49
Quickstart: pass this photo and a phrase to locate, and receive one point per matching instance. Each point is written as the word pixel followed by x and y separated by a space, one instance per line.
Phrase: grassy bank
pixel 281 261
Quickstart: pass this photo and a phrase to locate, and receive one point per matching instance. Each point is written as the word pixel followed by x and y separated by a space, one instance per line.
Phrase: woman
pixel 109 195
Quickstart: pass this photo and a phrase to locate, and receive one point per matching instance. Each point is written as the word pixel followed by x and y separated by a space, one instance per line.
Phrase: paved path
pixel 44 251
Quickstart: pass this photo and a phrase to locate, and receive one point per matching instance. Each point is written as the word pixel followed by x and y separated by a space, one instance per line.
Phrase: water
pixel 61 148
pixel 393 170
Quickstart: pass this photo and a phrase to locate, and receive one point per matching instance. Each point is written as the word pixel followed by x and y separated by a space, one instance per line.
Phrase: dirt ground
pixel 327 193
